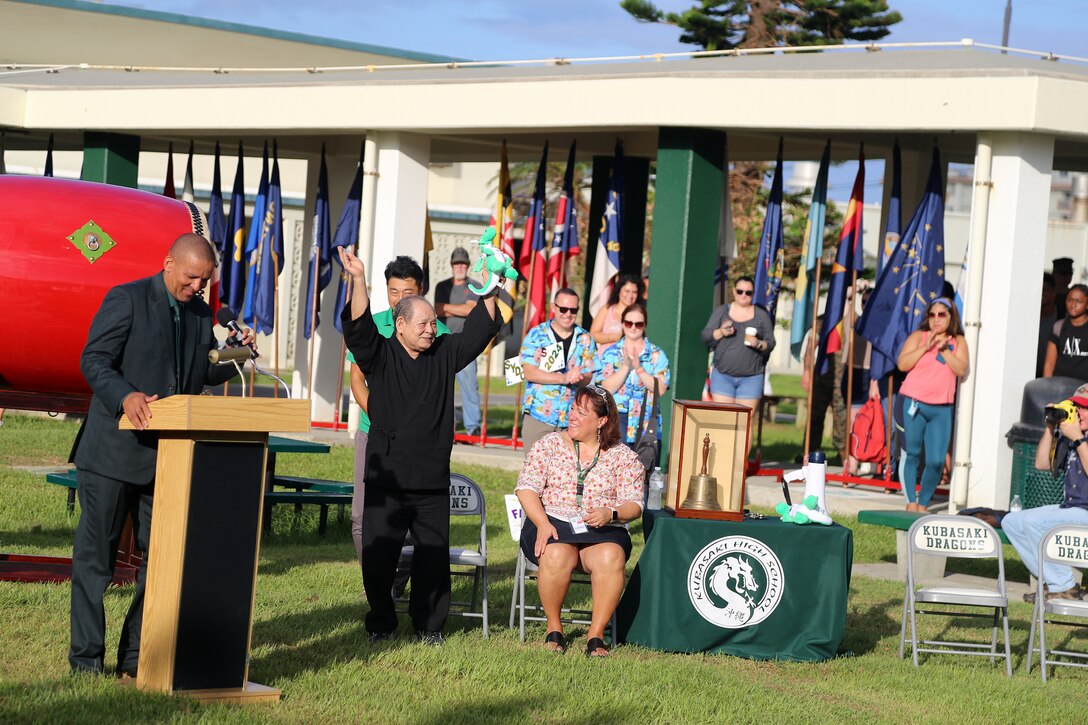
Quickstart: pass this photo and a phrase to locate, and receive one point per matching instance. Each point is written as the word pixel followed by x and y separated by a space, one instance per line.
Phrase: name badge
pixel 553 361
pixel 578 525
pixel 514 372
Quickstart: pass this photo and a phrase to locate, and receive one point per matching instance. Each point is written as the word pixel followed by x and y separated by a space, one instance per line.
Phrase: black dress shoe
pixel 431 639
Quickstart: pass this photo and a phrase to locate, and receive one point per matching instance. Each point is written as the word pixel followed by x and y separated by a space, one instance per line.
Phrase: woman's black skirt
pixel 605 534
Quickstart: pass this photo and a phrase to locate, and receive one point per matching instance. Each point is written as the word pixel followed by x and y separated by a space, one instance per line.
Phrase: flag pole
pixel 889 428
pixel 814 344
pixel 275 334
pixel 313 322
pixel 340 384
pixel 850 307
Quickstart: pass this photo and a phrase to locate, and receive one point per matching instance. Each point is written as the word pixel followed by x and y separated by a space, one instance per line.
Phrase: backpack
pixel 867 434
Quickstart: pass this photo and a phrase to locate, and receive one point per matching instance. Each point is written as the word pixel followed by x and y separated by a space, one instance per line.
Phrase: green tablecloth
pixel 279 444
pixel 756 589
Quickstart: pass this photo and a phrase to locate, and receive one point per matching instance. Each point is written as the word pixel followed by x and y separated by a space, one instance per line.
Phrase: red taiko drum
pixel 63 245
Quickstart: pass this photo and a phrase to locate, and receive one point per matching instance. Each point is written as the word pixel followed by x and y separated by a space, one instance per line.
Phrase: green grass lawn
pixel 309 640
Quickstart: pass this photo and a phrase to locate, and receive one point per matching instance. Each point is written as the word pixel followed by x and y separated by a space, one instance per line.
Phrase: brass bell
pixel 702 488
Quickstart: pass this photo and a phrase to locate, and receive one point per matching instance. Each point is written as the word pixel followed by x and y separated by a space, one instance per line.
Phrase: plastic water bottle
pixel 657 489
pixel 1015 504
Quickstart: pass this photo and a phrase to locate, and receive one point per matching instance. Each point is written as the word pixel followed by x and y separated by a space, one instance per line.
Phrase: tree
pixel 718 25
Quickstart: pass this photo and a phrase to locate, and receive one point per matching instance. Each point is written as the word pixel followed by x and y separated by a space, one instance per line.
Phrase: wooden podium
pixel 205 539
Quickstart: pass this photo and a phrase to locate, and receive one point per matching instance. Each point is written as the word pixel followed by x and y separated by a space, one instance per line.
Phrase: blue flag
pixel 879 365
pixel 253 241
pixel 320 272
pixel 217 229
pixel 347 235
pixel 607 264
pixel 912 278
pixel 770 259
pixel 269 252
pixel 895 222
pixel 849 260
pixel 232 277
pixel 812 249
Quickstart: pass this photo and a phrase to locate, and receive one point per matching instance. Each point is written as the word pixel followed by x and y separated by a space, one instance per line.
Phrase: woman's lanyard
pixel 582 473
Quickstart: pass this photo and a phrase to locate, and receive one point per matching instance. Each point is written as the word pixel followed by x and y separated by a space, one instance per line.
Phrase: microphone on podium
pixel 229 355
pixel 226 317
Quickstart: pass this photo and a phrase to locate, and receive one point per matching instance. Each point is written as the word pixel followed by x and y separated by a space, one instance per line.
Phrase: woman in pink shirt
pixel 935 359
pixel 580 487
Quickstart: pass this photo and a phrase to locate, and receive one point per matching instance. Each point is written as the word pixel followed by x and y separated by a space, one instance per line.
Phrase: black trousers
pixel 104 505
pixel 387 516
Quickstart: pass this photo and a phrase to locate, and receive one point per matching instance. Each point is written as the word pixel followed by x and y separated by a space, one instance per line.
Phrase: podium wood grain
pixel 165 556
pixel 200 412
pixel 208 493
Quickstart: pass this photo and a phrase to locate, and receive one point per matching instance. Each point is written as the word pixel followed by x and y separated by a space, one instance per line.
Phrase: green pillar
pixel 687 206
pixel 111 158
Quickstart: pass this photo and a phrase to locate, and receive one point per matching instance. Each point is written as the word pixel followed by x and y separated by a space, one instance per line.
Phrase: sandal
pixel 557 639
pixel 595 644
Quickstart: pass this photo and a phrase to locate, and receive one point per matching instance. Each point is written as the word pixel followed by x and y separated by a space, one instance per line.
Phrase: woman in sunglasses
pixel 579 488
pixel 628 370
pixel 934 357
pixel 740 357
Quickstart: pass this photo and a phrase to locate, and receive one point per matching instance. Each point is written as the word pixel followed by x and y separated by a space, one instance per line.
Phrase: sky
pixel 530 29
pixel 526 29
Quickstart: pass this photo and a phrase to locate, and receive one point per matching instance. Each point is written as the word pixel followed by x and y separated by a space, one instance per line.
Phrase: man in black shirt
pixel 408 451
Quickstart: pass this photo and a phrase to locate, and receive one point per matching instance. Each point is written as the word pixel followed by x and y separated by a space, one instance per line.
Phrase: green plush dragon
pixel 498 263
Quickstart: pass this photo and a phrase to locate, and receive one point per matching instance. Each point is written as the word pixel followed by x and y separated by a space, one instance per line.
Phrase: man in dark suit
pixel 150 339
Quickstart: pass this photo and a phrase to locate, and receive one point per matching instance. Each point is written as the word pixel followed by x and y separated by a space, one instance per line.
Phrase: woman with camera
pixel 935 359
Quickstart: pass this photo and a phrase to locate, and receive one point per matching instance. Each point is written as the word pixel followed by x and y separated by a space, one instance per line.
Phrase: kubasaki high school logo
pixel 735 582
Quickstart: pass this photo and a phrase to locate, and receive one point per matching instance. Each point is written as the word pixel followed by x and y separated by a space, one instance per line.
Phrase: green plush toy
pixel 498 263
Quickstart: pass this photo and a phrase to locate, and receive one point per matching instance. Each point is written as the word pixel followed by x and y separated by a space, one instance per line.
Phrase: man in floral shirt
pixel 548 394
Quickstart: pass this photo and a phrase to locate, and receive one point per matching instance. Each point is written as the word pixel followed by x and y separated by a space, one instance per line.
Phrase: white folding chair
pixel 1065 544
pixel 525 569
pixel 955 537
pixel 466 499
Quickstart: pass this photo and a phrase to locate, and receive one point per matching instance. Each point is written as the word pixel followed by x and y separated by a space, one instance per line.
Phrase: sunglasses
pixel 634 325
pixel 745 292
pixel 938 314
pixel 598 390
pixel 566 310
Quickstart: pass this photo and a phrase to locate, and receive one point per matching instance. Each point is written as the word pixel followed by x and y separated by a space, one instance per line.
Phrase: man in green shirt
pixel 403 278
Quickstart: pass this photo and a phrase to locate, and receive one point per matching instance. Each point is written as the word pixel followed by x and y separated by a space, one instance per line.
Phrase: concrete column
pixel 327 343
pixel 400 214
pixel 1014 260
pixel 687 211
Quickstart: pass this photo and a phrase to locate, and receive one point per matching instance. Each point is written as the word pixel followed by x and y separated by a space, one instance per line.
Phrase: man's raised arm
pixel 360 300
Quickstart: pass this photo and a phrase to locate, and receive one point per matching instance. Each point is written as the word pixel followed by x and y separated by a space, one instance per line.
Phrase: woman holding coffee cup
pixel 742 337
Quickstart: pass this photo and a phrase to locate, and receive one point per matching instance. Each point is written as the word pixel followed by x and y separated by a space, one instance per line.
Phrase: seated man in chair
pixel 1026 528
pixel 579 489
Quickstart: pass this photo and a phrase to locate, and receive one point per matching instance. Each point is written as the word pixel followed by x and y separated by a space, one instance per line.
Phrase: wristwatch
pixel 616 515
pixel 1076 445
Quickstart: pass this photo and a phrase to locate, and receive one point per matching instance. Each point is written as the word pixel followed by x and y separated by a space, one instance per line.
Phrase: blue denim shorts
pixel 738 387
